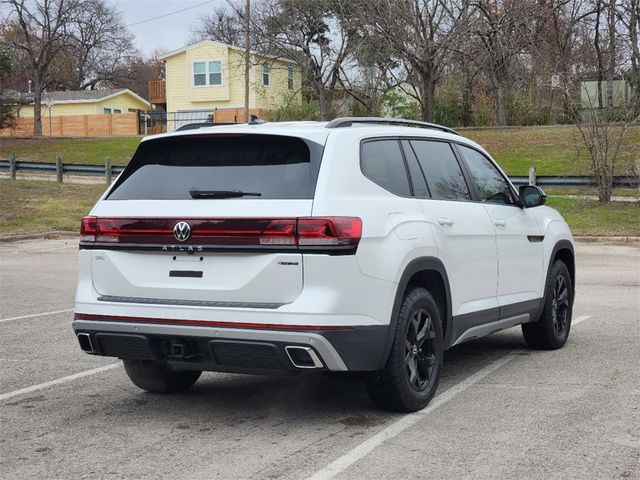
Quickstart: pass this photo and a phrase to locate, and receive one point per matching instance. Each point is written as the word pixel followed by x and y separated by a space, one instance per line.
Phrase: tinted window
pixel 441 169
pixel 418 182
pixel 491 184
pixel 168 168
pixel 382 162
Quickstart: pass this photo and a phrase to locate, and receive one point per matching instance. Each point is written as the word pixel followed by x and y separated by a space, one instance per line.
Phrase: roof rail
pixel 195 126
pixel 349 121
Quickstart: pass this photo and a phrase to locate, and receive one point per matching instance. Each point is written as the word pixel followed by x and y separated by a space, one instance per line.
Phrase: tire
pixel 551 331
pixel 410 378
pixel 158 377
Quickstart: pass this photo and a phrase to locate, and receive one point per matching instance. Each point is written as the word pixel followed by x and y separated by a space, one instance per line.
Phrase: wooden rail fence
pixel 109 171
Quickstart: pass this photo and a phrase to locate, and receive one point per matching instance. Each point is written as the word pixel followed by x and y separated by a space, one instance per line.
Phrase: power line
pixel 170 13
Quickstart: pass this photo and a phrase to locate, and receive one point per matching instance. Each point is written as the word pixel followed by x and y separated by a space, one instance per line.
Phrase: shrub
pixel 294 108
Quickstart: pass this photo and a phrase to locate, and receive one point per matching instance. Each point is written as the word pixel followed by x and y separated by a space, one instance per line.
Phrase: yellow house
pixel 88 102
pixel 205 81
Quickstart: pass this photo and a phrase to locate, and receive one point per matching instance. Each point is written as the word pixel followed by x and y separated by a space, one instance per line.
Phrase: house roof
pixel 87 96
pixel 220 44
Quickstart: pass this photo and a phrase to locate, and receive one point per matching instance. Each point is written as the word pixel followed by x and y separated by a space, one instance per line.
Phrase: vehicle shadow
pixel 296 398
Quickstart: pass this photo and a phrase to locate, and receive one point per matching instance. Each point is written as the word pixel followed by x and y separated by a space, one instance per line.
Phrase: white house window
pixel 265 74
pixel 117 110
pixel 290 78
pixel 199 73
pixel 215 73
pixel 106 111
pixel 207 73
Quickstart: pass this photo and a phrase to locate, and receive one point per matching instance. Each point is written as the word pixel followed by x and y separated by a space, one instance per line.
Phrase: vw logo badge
pixel 182 231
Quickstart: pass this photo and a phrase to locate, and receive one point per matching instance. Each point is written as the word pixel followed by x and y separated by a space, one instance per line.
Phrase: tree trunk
pixel 611 25
pixel 605 183
pixel 427 95
pixel 37 109
pixel 467 102
pixel 322 103
pixel 596 44
pixel 634 72
pixel 501 110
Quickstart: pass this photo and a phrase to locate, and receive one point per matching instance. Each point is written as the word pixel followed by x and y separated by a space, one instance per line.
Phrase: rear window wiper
pixel 195 193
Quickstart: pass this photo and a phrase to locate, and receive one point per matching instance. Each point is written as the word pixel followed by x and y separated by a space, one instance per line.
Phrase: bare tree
pixel 422 33
pixel 629 14
pixel 604 141
pixel 316 35
pixel 504 29
pixel 99 44
pixel 225 24
pixel 137 72
pixel 39 30
pixel 558 36
pixel 7 104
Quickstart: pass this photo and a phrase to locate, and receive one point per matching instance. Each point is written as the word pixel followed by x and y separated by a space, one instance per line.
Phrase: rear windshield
pixel 275 167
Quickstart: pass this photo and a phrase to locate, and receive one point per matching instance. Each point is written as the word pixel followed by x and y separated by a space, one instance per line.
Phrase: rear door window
pixel 382 162
pixel 273 166
pixel 441 170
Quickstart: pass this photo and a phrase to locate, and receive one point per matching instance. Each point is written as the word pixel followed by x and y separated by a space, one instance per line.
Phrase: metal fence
pixel 108 170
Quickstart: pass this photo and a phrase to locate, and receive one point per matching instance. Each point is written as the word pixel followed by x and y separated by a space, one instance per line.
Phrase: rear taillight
pixel 88 229
pixel 329 231
pixel 318 234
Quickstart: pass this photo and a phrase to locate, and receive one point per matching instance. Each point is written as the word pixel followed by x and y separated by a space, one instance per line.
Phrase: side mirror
pixel 532 196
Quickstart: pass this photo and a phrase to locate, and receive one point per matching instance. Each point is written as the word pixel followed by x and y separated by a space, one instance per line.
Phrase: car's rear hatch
pixel 205 219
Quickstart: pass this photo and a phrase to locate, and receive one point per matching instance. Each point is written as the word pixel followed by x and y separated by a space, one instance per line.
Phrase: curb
pixel 37 236
pixel 604 240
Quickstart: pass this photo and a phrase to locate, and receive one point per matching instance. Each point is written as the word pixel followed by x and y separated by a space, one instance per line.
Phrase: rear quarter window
pixel 381 161
pixel 276 167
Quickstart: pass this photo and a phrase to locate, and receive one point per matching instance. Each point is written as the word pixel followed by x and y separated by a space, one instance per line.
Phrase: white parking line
pixel 43 314
pixel 362 450
pixel 405 422
pixel 42 386
pixel 581 318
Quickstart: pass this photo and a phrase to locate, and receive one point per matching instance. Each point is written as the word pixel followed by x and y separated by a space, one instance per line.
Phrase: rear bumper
pixel 236 349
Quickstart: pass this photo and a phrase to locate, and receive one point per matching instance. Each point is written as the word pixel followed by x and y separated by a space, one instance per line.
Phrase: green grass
pixel 590 217
pixel 552 150
pixel 91 151
pixel 29 206
pixel 40 206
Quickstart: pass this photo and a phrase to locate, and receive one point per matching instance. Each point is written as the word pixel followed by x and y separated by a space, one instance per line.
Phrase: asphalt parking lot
pixel 502 411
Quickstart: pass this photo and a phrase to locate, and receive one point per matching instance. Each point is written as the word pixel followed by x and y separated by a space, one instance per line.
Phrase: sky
pixel 169 32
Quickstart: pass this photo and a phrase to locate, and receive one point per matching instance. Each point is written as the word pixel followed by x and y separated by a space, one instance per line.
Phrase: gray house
pixel 622 93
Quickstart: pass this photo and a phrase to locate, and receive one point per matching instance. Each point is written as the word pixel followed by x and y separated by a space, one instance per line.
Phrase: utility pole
pixel 247 52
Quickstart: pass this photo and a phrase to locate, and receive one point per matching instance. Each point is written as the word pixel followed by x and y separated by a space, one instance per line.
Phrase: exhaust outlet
pixel 303 357
pixel 85 342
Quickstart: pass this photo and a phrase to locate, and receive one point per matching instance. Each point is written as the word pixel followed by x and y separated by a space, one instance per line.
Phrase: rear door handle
pixel 499 222
pixel 445 221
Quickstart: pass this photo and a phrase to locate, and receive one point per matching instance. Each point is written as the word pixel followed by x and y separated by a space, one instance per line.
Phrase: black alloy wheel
pixel 419 350
pixel 560 306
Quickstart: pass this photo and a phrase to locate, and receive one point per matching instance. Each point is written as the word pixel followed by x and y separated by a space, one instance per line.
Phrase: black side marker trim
pixel 535 238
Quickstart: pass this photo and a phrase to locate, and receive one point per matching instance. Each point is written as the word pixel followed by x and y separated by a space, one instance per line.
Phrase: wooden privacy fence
pixel 119 125
pixel 236 115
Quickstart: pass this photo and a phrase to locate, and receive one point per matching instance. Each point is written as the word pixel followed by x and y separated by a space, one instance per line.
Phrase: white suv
pixel 357 245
